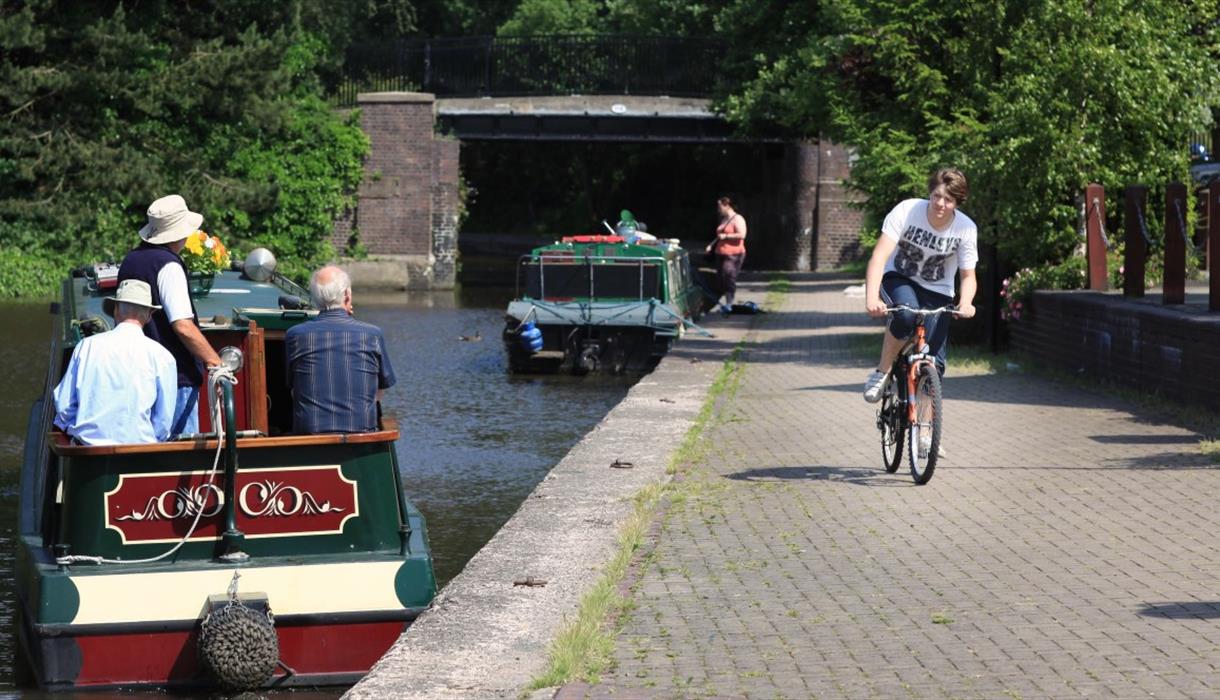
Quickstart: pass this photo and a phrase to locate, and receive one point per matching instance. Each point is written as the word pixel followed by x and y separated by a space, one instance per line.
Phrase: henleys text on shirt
pixel 927 239
pixel 913 259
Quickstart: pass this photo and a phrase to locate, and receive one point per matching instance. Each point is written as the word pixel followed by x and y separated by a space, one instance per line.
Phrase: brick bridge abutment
pixel 406 216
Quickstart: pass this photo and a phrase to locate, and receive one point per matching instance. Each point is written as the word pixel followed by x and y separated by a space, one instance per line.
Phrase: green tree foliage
pixel 463 17
pixel 663 17
pixel 532 17
pixel 1032 99
pixel 108 108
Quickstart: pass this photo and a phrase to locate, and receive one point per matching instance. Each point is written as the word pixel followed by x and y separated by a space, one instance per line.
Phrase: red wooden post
pixel 1095 236
pixel 1213 244
pixel 1174 286
pixel 1135 198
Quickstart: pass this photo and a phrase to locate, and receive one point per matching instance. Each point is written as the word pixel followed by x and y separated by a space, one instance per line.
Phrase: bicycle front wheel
pixel 889 422
pixel 926 430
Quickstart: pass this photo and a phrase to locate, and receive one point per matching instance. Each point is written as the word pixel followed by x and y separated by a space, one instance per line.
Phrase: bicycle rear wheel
pixel 928 420
pixel 889 422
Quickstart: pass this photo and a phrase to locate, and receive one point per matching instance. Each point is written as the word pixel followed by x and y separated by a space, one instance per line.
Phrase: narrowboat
pixel 600 303
pixel 244 556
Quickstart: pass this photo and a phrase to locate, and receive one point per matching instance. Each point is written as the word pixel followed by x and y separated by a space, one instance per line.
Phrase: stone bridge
pixel 408 205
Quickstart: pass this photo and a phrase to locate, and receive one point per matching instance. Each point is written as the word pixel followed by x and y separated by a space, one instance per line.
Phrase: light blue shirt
pixel 120 387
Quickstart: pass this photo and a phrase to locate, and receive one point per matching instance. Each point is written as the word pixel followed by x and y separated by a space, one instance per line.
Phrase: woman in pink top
pixel 730 250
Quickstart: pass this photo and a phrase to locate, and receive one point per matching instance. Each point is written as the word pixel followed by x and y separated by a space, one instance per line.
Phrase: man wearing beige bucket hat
pixel 120 386
pixel 175 324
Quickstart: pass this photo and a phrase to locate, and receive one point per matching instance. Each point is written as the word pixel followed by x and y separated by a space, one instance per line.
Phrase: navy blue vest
pixel 144 263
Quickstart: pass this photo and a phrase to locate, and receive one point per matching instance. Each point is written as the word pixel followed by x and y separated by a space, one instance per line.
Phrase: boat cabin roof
pixel 232 303
pixel 598 246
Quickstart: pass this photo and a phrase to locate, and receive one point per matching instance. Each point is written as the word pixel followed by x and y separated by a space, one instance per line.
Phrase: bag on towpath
pixel 747 307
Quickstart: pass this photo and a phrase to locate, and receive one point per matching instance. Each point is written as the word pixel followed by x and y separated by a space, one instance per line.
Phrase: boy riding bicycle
pixel 923 244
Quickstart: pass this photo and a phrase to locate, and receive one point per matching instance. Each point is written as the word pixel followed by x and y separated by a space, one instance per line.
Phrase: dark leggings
pixel 899 289
pixel 726 274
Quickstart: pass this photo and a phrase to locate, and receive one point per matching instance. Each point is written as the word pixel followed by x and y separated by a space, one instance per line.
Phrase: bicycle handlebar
pixel 950 309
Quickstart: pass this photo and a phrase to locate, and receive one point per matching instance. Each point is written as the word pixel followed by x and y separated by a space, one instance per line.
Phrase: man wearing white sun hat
pixel 174 324
pixel 120 386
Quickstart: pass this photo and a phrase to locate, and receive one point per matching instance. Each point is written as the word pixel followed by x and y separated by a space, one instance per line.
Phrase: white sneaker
pixel 875 385
pixel 925 444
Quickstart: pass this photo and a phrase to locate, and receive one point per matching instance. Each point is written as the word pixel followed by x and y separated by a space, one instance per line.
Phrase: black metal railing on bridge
pixel 533 65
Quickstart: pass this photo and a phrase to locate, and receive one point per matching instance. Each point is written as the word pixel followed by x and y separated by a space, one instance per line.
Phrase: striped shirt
pixel 336 364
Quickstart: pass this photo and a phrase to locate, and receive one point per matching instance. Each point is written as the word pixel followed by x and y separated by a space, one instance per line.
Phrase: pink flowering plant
pixel 1018 290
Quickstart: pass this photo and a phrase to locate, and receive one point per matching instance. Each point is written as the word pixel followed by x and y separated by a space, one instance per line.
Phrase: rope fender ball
pixel 239 647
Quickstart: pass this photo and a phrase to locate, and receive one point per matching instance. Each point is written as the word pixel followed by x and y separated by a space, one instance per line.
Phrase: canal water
pixel 475 439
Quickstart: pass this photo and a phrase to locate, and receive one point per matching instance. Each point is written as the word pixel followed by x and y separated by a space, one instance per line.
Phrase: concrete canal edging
pixel 484 636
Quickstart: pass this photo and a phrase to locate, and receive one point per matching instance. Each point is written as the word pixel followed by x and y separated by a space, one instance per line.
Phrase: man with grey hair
pixel 337 366
pixel 120 386
pixel 331 288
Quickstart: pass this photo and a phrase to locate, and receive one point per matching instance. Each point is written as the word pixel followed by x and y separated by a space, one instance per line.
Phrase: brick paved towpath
pixel 1067 547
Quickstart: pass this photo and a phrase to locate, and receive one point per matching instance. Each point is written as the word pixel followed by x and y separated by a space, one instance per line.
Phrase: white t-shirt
pixel 175 295
pixel 930 258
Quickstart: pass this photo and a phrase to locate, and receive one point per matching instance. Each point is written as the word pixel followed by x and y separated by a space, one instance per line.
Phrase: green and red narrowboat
pixel 311 535
pixel 600 303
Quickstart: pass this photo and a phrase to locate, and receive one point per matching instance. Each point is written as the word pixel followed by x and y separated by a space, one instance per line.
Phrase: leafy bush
pixel 1019 289
pixel 24 275
pixel 112 105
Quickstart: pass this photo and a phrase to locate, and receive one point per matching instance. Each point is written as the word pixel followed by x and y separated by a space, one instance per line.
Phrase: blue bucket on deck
pixel 531 337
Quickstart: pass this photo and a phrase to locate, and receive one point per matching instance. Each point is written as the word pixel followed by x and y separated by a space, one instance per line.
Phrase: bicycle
pixel 904 402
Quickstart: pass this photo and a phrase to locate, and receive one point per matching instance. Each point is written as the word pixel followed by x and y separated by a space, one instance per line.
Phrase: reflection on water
pixel 475 440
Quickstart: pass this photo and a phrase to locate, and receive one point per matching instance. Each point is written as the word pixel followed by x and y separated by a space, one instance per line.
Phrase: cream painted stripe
pixel 183 595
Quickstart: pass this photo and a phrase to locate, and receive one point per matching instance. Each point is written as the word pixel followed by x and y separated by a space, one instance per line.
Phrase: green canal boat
pixel 600 303
pixel 292 559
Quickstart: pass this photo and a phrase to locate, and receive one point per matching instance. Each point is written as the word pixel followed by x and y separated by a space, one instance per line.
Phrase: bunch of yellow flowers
pixel 204 253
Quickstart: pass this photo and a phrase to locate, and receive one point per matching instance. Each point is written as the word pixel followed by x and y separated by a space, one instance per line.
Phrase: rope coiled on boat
pixel 238 645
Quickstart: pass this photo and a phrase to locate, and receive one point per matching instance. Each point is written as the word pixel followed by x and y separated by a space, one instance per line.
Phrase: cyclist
pixel 923 244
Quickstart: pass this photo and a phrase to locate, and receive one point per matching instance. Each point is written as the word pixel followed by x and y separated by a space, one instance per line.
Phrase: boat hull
pixel 587 349
pixel 338 650
pixel 103 628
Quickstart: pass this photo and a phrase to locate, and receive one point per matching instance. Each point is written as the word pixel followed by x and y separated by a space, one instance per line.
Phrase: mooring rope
pixel 216 375
pixel 1189 244
pixel 1144 227
pixel 1095 210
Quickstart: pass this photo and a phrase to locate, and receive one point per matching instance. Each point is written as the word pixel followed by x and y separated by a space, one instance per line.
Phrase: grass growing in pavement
pixel 777 288
pixel 1211 448
pixel 584 648
pixel 854 267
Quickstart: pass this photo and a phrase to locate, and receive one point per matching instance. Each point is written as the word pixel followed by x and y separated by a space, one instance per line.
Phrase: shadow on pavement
pixel 1145 439
pixel 850 475
pixel 1190 610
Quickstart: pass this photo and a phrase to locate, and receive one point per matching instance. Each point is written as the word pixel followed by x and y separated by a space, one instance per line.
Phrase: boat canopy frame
pixel 591 263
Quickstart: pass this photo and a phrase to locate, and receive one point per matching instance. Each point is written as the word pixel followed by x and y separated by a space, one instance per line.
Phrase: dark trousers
pixel 727 267
pixel 899 289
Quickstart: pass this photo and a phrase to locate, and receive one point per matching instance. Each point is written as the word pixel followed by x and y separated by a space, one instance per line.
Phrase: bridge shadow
pixel 1189 610
pixel 856 476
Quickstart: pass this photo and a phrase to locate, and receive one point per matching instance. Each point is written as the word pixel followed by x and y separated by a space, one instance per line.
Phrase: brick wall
pixel 1145 347
pixel 837 230
pixel 810 223
pixel 407 203
pixel 445 175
